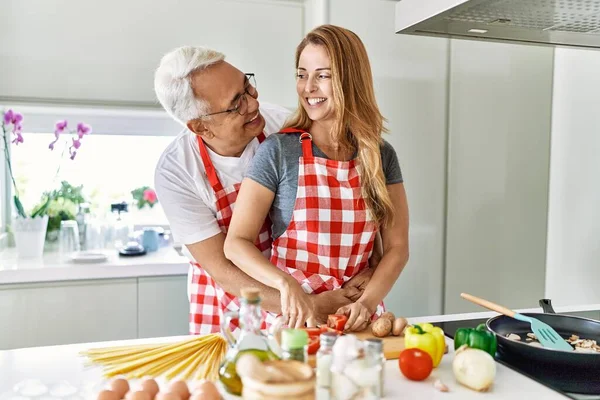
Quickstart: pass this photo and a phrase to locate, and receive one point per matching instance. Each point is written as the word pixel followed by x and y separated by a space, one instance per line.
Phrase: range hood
pixel 571 23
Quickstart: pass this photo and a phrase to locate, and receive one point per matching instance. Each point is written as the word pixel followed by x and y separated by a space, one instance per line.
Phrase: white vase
pixel 30 234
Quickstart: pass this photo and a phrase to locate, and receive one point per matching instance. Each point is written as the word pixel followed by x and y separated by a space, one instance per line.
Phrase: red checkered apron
pixel 208 301
pixel 331 234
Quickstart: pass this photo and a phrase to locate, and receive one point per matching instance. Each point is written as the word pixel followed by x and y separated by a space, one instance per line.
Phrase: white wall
pixel 573 269
pixel 410 75
pixel 107 51
pixel 499 145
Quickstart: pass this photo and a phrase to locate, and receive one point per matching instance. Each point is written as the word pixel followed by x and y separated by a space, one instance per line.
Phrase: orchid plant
pixel 12 128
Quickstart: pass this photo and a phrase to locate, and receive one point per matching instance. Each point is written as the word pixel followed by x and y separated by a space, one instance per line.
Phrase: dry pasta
pixel 198 357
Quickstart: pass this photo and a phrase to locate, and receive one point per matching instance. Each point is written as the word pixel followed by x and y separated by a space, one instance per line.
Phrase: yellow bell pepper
pixel 428 338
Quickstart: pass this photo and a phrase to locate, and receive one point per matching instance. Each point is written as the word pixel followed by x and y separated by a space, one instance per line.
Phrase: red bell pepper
pixel 337 321
pixel 314 342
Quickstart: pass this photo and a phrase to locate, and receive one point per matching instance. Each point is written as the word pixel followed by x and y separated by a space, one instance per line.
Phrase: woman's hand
pixel 296 306
pixel 359 316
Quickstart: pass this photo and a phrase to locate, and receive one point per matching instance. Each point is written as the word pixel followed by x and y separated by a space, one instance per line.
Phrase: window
pixel 108 166
pixel 119 156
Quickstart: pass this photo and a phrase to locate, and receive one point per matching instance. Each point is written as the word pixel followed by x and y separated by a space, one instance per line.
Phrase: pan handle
pixel 546 305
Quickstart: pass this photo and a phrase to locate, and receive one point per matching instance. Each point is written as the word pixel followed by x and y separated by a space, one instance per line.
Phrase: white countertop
pixel 60 367
pixel 166 261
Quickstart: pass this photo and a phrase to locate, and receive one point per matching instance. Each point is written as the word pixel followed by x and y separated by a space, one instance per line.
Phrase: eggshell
pixel 138 395
pixel 120 386
pixel 181 388
pixel 151 387
pixel 206 391
pixel 107 395
pixel 168 396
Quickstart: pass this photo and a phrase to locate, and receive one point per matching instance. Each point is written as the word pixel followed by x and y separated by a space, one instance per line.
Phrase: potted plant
pixel 29 229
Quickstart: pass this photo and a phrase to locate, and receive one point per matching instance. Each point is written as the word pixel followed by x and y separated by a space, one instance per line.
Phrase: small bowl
pixel 302 389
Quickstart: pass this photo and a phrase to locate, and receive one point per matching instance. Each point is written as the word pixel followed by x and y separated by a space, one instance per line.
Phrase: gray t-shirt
pixel 275 166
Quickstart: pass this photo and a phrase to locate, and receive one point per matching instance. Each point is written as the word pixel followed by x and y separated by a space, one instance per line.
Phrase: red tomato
pixel 415 364
pixel 337 321
pixel 314 342
pixel 313 331
pixel 325 328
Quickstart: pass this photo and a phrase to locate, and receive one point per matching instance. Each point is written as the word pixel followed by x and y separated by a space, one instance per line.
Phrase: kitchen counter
pixel 165 262
pixel 60 367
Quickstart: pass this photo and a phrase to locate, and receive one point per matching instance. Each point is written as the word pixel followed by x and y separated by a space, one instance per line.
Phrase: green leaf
pixel 19 207
pixel 42 210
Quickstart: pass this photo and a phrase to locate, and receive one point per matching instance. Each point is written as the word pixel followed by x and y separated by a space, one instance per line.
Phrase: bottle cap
pixel 328 339
pixel 294 338
pixel 374 344
pixel 250 294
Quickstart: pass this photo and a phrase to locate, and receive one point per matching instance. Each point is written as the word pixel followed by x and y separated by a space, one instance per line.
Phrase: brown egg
pixel 107 395
pixel 168 396
pixel 120 386
pixel 138 395
pixel 206 391
pixel 181 388
pixel 151 387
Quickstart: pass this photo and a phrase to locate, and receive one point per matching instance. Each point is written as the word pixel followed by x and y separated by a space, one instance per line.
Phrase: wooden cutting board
pixel 392 345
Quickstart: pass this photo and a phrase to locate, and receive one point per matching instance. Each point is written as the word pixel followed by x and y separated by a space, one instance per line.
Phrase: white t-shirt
pixel 183 190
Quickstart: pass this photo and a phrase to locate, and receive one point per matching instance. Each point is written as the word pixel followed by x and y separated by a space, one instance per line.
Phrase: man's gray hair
pixel 173 84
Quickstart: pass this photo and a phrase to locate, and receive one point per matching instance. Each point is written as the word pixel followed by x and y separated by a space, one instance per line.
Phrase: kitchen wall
pixel 470 122
pixel 574 203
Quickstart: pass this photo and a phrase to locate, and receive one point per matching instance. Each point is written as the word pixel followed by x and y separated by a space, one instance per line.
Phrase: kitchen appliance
pixel 575 384
pixel 572 23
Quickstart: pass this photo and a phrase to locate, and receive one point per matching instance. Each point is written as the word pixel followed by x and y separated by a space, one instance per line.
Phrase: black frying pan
pixel 569 371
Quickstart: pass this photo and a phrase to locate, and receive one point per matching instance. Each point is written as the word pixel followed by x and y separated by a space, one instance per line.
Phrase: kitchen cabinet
pixel 500 111
pixel 67 312
pixel 163 306
pixel 42 314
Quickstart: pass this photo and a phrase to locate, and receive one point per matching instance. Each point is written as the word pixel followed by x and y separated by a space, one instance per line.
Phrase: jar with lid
pixel 294 345
pixel 376 362
pixel 324 356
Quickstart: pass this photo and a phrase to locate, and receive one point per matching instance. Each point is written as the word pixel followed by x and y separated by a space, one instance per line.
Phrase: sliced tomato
pixel 325 328
pixel 313 344
pixel 337 321
pixel 313 331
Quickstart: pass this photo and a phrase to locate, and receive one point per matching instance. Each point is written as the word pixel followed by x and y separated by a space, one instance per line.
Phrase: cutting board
pixel 392 345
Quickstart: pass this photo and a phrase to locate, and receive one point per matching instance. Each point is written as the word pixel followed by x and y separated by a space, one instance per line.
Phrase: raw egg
pixel 206 391
pixel 181 388
pixel 168 396
pixel 151 387
pixel 138 395
pixel 120 386
pixel 107 395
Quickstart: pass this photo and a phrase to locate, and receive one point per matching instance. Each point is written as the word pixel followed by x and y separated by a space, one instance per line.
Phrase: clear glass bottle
pixel 251 339
pixel 294 345
pixel 376 360
pixel 324 356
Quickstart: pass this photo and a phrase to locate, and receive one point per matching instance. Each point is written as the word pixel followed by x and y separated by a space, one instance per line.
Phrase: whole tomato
pixel 415 364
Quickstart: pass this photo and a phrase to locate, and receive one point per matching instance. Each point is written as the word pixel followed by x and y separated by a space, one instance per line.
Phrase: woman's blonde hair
pixel 358 123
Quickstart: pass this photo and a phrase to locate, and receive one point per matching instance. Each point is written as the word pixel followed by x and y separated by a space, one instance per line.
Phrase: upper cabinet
pixel 106 52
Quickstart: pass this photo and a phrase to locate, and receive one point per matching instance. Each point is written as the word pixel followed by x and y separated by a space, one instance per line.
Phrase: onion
pixel 474 368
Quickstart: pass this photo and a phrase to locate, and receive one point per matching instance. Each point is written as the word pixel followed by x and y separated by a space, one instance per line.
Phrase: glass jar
pixel 376 360
pixel 294 345
pixel 251 340
pixel 324 356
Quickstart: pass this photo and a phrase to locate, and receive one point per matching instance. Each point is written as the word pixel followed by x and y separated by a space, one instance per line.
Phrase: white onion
pixel 474 368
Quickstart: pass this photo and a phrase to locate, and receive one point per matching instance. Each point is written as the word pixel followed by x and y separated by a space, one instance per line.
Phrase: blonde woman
pixel 329 183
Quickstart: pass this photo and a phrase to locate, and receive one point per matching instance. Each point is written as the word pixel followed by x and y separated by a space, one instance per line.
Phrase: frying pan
pixel 569 371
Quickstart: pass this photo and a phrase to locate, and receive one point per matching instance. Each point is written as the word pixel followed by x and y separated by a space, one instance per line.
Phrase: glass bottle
pixel 251 339
pixel 293 345
pixel 324 355
pixel 376 360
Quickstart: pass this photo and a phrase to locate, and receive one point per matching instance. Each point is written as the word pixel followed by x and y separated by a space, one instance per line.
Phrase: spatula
pixel 546 335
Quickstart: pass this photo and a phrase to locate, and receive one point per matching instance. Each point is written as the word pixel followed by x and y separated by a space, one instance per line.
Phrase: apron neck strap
pixel 305 139
pixel 211 172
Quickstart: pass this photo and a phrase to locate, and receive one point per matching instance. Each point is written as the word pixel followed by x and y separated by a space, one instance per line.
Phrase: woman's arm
pixel 395 257
pixel 251 209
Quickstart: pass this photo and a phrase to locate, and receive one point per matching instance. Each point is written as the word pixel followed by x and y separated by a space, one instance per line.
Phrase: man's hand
pixel 332 300
pixel 359 282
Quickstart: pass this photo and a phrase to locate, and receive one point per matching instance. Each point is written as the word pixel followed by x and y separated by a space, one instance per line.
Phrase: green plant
pixel 144 196
pixel 62 204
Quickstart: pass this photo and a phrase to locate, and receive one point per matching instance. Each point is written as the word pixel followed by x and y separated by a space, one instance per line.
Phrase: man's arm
pixel 209 254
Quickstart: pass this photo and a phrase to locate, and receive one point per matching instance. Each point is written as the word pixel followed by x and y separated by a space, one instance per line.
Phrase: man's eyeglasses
pixel 241 102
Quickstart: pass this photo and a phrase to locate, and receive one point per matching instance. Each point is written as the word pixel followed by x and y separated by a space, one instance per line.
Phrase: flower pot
pixel 30 234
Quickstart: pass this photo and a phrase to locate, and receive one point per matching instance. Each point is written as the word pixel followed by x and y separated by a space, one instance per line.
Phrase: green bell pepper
pixel 478 338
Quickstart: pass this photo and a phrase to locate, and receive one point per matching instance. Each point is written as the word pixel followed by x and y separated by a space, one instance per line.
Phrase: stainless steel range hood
pixel 572 23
